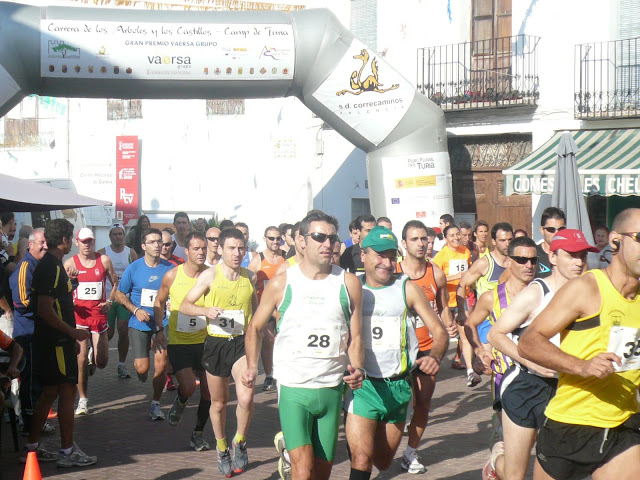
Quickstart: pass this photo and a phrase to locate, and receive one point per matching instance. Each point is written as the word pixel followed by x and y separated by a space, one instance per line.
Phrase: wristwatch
pixel 364 372
pixel 159 328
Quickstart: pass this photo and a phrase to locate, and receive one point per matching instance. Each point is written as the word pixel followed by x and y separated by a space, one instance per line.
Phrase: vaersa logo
pixel 126 197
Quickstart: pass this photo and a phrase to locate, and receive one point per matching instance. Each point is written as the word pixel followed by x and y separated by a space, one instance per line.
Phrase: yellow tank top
pixel 604 403
pixel 292 261
pixel 235 297
pixel 184 330
pixel 501 301
pixel 452 262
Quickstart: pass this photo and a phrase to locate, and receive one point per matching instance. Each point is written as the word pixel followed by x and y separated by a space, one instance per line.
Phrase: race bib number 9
pixel 228 323
pixel 457 266
pixel 384 334
pixel 89 291
pixel 625 342
pixel 148 297
pixel 189 324
pixel 319 341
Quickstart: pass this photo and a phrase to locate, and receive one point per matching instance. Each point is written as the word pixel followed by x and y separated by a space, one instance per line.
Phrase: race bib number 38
pixel 189 324
pixel 384 335
pixel 625 342
pixel 89 291
pixel 317 341
pixel 228 323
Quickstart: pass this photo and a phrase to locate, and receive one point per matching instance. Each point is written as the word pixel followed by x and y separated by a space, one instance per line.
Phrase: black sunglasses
pixel 167 244
pixel 553 229
pixel 274 239
pixel 523 260
pixel 633 235
pixel 212 239
pixel 322 237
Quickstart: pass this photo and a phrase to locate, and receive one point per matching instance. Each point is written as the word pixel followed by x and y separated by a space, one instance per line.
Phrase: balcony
pixel 607 79
pixel 501 72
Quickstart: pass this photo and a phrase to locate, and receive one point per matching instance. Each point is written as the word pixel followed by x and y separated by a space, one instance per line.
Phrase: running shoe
pixel 197 442
pixel 473 379
pixel 77 458
pixel 83 407
pixel 240 457
pixel 457 364
pixel 143 376
pixel 224 463
pixel 47 429
pixel 284 465
pixel 269 385
pixel 175 413
pixel 170 386
pixel 489 470
pixel 156 412
pixel 411 463
pixel 42 454
pixel 123 372
pixel 284 469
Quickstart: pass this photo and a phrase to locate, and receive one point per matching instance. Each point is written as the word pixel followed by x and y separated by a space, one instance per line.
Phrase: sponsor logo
pixel 616 317
pixel 126 197
pixel 61 49
pixel 126 173
pixel 395 201
pixel 169 60
pixel 153 278
pixel 369 84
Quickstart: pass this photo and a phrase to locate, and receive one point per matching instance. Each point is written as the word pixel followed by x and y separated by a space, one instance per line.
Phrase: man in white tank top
pixel 520 422
pixel 317 347
pixel 377 413
pixel 121 256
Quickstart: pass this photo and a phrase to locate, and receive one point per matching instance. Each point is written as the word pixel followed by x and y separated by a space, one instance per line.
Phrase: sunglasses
pixel 167 245
pixel 523 260
pixel 322 237
pixel 634 235
pixel 553 229
pixel 117 225
pixel 274 239
pixel 212 239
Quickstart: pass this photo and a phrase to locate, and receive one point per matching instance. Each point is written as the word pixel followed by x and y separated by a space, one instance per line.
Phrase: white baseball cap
pixel 84 234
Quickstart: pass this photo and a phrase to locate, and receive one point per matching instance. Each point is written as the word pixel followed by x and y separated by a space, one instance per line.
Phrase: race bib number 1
pixel 148 297
pixel 625 342
pixel 228 323
pixel 189 324
pixel 89 291
pixel 384 335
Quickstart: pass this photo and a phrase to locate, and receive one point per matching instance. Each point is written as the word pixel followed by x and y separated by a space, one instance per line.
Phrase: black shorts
pixel 55 364
pixel 573 452
pixel 185 356
pixel 422 353
pixel 220 354
pixel 524 396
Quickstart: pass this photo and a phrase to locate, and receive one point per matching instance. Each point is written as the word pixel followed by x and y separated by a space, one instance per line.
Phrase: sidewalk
pixel 131 446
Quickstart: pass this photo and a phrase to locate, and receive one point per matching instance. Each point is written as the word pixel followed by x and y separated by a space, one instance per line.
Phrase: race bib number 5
pixel 189 324
pixel 229 322
pixel 89 291
pixel 148 297
pixel 625 342
pixel 318 341
pixel 384 334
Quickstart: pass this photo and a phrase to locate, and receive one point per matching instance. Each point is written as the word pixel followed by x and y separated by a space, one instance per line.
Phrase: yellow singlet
pixel 184 330
pixel 235 297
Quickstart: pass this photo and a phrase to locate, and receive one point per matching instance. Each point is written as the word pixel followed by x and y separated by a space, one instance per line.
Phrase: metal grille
pixel 483 74
pixel 25 132
pixel 123 109
pixel 225 107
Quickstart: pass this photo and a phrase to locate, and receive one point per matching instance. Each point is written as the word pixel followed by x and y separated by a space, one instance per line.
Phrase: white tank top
pixel 120 263
pixel 388 329
pixel 310 350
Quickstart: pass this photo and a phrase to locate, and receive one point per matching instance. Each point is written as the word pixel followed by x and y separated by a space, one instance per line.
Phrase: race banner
pixel 127 182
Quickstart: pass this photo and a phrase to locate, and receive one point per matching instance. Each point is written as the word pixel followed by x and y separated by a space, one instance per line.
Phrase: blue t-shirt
pixel 142 283
pixel 246 260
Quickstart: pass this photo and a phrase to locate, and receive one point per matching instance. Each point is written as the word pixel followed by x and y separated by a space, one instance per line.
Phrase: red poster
pixel 127 185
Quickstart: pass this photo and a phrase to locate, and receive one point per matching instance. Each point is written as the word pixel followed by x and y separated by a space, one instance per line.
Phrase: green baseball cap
pixel 380 239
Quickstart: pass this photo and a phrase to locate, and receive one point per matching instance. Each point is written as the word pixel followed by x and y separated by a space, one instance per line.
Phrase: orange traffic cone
pixel 32 469
pixel 52 414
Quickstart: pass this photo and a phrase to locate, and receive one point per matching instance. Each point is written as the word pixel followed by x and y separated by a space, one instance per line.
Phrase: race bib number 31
pixel 90 291
pixel 148 297
pixel 189 324
pixel 384 335
pixel 625 342
pixel 229 322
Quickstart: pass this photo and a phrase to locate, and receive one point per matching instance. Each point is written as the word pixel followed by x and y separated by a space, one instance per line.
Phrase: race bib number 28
pixel 625 342
pixel 318 341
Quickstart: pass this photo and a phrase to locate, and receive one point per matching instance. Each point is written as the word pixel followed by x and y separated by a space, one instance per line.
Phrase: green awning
pixel 608 163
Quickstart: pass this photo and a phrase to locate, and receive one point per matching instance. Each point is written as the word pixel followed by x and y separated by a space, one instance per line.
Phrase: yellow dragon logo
pixel 371 83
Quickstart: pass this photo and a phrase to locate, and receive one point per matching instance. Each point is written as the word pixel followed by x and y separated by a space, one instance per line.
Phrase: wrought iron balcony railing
pixel 484 74
pixel 607 79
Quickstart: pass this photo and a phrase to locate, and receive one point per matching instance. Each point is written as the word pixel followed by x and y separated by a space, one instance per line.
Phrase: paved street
pixel 131 446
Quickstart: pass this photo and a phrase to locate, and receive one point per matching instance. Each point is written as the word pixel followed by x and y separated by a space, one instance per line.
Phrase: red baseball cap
pixel 571 241
pixel 438 230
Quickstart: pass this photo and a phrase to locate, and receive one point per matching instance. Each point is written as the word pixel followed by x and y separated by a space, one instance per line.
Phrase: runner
pixel 444 222
pixel 433 283
pixel 485 274
pixel 431 238
pixel 91 308
pixel 453 260
pixel 354 235
pixel 466 240
pixel 186 336
pixel 320 319
pixel 168 246
pixel 481 232
pixel 287 239
pixel 54 348
pixel 335 253
pixel 605 252
pixel 299 247
pixel 248 256
pixel 351 260
pixel 595 407
pixel 183 226
pixel 213 257
pixel 265 265
pixel 121 257
pixel 377 412
pixel 229 303
pixel 20 286
pixel 141 282
pixel 527 387
pixel 553 220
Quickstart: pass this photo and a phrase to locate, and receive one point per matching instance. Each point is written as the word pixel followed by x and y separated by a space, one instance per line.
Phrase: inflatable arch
pixel 122 53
